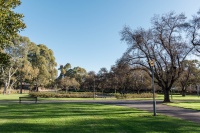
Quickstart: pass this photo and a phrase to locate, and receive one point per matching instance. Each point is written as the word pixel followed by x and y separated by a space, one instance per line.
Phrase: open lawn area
pixel 189 101
pixel 86 118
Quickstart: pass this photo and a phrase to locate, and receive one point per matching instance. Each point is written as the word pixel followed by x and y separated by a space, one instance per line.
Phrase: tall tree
pixel 164 43
pixel 10 24
pixel 193 30
pixel 89 81
pixel 190 75
pixel 46 65
pixel 103 79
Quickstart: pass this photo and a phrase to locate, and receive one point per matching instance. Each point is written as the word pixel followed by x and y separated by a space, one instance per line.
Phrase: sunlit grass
pixel 189 101
pixel 190 105
pixel 11 96
pixel 86 118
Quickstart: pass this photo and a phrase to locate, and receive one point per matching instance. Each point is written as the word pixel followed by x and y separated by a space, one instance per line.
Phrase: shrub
pixel 129 96
pixel 62 95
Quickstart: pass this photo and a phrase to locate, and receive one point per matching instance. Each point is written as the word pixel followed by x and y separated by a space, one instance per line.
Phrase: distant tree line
pixel 120 79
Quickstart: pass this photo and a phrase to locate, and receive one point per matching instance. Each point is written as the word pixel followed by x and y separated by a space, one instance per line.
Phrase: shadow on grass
pixel 85 118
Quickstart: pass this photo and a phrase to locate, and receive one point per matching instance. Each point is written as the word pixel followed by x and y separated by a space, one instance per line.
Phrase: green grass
pixel 86 118
pixel 189 102
pixel 11 97
pixel 189 105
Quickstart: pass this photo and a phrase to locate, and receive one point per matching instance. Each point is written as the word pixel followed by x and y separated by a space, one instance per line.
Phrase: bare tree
pixel 164 43
pixel 193 30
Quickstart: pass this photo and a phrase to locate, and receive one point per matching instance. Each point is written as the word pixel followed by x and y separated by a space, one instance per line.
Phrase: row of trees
pixel 21 61
pixel 29 63
pixel 169 43
pixel 123 78
pixel 70 77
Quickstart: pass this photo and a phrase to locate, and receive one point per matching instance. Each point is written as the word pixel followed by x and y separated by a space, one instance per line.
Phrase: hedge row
pixel 129 96
pixel 61 95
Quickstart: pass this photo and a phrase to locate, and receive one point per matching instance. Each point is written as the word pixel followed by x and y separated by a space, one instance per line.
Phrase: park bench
pixel 100 96
pixel 27 99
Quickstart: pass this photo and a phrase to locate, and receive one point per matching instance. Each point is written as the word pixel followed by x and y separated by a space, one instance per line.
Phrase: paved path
pixel 182 113
pixel 186 114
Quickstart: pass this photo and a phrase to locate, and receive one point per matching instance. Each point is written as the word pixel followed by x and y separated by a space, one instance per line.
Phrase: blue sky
pixel 86 33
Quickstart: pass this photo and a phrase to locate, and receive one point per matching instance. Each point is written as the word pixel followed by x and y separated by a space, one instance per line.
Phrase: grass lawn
pixel 86 118
pixel 189 105
pixel 189 101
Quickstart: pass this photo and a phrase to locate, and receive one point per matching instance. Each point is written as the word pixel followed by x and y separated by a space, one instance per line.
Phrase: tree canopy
pixel 164 43
pixel 10 24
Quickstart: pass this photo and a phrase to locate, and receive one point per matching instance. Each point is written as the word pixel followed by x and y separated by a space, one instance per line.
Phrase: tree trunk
pixel 183 91
pixel 166 96
pixel 5 87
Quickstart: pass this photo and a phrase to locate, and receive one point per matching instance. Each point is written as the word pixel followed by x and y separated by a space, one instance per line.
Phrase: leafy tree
pixel 190 75
pixel 68 82
pixel 103 79
pixel 31 63
pixel 89 80
pixel 10 24
pixel 46 65
pixel 79 74
pixel 140 80
pixel 113 78
pixel 7 76
pixel 164 43
pixel 16 50
pixel 65 70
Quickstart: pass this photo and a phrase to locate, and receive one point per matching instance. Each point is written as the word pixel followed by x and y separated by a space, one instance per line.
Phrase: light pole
pixel 154 101
pixel 94 89
pixel 21 76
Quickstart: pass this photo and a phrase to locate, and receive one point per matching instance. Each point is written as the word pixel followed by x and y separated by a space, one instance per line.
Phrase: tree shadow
pixel 85 118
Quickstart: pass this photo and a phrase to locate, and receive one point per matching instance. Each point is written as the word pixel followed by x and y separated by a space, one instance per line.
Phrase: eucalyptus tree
pixel 122 74
pixel 164 43
pixel 66 83
pixel 46 64
pixel 113 78
pixel 190 75
pixel 16 51
pixel 33 63
pixel 65 70
pixel 10 24
pixel 140 80
pixel 79 74
pixel 103 79
pixel 89 81
pixel 6 74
